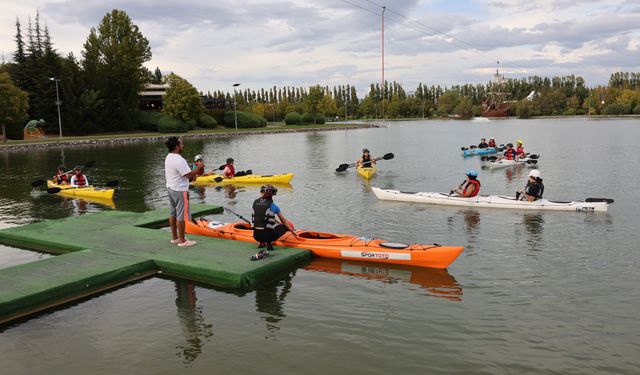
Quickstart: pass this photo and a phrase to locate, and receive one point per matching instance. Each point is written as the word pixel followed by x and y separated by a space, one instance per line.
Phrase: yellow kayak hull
pixel 88 191
pixel 367 173
pixel 252 178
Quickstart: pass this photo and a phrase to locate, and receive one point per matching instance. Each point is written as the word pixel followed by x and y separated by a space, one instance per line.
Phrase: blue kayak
pixel 479 151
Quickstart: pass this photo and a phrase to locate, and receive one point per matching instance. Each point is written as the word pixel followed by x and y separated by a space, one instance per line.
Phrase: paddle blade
pixel 38 183
pixel 53 190
pixel 463 148
pixel 534 156
pixel 90 164
pixel 113 183
pixel 222 167
pixel 532 162
pixel 342 168
pixel 248 171
pixel 592 200
pixel 388 156
pixel 218 179
pixel 240 174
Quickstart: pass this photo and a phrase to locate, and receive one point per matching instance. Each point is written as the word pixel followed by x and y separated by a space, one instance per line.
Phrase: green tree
pixel 327 106
pixel 14 104
pixel 113 56
pixel 313 99
pixel 182 100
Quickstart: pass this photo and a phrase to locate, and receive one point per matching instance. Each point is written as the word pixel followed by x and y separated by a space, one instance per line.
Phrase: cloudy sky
pixel 262 43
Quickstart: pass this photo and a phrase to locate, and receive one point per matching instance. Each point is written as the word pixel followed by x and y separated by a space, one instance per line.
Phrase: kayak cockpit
pixel 318 235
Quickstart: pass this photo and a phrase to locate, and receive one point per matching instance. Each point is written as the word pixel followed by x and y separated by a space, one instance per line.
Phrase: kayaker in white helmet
pixel 199 161
pixel 492 142
pixel 366 160
pixel 534 189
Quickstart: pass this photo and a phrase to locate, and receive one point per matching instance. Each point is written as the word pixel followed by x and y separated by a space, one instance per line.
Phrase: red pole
pixel 382 91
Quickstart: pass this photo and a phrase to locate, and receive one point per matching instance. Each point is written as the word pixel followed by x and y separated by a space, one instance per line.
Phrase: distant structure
pixel 495 104
pixel 151 98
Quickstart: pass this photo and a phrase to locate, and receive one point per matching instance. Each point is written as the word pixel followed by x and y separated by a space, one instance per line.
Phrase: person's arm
pixel 373 160
pixel 286 223
pixel 73 181
pixel 191 175
pixel 86 180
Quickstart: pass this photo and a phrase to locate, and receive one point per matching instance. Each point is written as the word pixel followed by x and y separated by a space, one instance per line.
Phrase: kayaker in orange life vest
pixel 470 187
pixel 61 177
pixel 366 160
pixel 79 179
pixel 520 150
pixel 229 169
pixel 509 153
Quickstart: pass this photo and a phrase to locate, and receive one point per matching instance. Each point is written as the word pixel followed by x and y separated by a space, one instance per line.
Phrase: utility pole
pixel 382 84
pixel 235 112
pixel 58 104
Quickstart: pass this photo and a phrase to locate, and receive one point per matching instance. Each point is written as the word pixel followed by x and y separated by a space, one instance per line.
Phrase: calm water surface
pixel 533 293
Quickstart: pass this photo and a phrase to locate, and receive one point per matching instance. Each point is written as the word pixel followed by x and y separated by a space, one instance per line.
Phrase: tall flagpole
pixel 382 91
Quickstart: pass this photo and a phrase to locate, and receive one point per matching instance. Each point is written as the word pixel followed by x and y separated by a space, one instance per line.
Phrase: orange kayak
pixel 338 246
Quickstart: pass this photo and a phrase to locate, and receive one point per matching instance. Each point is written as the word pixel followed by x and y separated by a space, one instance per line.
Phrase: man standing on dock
pixel 178 174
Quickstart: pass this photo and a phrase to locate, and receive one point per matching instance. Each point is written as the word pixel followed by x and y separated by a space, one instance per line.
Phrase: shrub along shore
pixel 105 139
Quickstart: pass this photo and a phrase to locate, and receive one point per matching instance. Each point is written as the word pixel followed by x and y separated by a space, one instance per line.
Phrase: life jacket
pixel 194 167
pixel 476 183
pixel 492 143
pixel 540 189
pixel 510 154
pixel 263 217
pixel 520 150
pixel 483 145
pixel 81 180
pixel 232 169
pixel 366 161
pixel 62 178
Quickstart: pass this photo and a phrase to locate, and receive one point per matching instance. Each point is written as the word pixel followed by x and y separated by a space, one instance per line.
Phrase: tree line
pixel 99 90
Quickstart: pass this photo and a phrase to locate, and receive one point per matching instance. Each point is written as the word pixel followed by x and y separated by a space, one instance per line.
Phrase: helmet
pixel 229 160
pixel 509 144
pixel 535 173
pixel 519 141
pixel 472 173
pixel 492 138
pixel 269 189
pixel 198 157
pixel 365 150
pixel 61 168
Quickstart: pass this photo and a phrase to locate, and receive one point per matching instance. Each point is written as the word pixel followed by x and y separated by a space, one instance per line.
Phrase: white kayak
pixel 493 201
pixel 510 163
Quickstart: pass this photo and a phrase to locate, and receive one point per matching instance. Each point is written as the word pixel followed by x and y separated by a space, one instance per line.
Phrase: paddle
pixel 238 215
pixel 239 174
pixel 592 200
pixel 343 167
pixel 88 164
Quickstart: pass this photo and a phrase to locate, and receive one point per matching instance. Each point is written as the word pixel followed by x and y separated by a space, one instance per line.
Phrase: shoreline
pixel 52 144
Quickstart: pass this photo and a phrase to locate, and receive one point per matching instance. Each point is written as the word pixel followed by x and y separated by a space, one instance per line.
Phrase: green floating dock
pixel 107 249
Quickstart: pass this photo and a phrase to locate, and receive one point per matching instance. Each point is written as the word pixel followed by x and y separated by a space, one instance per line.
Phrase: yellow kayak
pixel 87 191
pixel 367 173
pixel 251 178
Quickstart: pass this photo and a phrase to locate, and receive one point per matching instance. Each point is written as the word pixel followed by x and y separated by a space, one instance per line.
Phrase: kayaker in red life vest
pixel 79 179
pixel 229 169
pixel 483 143
pixel 366 160
pixel 61 177
pixel 199 161
pixel 520 150
pixel 492 142
pixel 470 187
pixel 509 153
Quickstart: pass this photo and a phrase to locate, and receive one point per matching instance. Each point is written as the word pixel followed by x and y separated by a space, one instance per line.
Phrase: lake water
pixel 533 292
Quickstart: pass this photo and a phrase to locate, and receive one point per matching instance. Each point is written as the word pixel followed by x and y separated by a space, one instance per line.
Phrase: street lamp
pixel 58 104
pixel 235 111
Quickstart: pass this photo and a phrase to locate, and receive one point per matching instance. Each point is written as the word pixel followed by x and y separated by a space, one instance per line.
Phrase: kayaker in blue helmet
pixel 366 160
pixel 469 187
pixel 266 228
pixel 534 189
pixel 483 143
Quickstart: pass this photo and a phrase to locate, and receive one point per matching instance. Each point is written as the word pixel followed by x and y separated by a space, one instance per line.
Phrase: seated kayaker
pixel 483 143
pixel 520 154
pixel 266 228
pixel 61 177
pixel 229 169
pixel 199 161
pixel 534 189
pixel 79 179
pixel 509 153
pixel 470 187
pixel 492 142
pixel 366 161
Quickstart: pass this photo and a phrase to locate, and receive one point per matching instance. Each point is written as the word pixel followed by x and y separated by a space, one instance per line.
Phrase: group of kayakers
pixel 531 192
pixel 228 168
pixel 483 143
pixel 74 177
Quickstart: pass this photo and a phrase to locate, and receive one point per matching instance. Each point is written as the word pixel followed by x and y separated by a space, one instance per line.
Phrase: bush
pixel 149 120
pixel 524 109
pixel 206 121
pixel 320 118
pixel 307 118
pixel 191 124
pixel 172 125
pixel 245 120
pixel 293 118
pixel 217 114
pixel 616 109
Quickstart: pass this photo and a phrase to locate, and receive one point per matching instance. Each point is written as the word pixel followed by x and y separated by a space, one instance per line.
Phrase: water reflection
pixel 194 327
pixel 534 224
pixel 471 223
pixel 270 300
pixel 436 282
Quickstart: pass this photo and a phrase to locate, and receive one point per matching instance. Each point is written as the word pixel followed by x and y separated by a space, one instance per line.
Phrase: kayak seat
pixel 317 235
pixel 242 226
